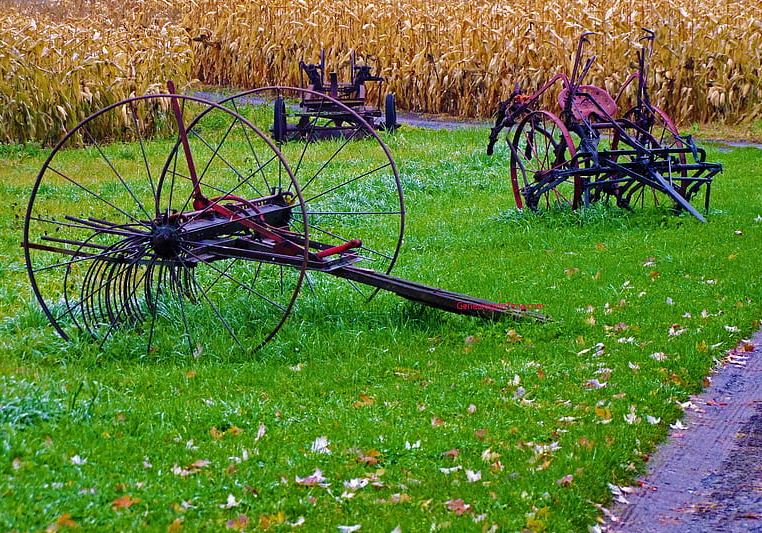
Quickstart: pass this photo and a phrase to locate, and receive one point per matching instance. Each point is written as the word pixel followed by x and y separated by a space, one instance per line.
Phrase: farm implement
pixel 318 116
pixel 593 151
pixel 173 211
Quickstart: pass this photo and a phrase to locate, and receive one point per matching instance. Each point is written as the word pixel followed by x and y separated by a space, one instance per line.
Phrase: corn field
pixel 457 57
pixel 56 71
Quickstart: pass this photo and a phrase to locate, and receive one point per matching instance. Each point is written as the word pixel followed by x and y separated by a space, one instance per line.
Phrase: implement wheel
pixel 348 177
pixel 106 230
pixel 543 164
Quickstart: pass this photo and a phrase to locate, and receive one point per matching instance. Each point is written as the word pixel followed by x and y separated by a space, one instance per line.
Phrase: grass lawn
pixel 432 421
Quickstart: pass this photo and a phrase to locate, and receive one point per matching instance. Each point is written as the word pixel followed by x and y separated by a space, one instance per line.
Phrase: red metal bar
pixel 354 243
pixel 199 200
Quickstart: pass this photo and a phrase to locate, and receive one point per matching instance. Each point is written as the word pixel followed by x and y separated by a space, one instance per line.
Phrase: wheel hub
pixel 165 241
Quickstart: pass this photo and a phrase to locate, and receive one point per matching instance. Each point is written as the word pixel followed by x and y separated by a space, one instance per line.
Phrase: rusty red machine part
pixel 595 150
pixel 190 215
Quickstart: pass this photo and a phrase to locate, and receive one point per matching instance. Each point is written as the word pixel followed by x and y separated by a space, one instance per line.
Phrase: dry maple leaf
pixel 314 479
pixel 268 521
pixel 175 526
pixel 370 457
pixel 364 401
pixel 238 523
pixel 452 454
pixel 63 521
pixel 436 421
pixel 321 445
pixel 513 336
pixel 459 507
pixel 124 502
pixel 230 503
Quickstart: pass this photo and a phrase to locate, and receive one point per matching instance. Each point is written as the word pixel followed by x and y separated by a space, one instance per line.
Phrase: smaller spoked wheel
pixel 544 169
pixel 390 113
pixel 655 132
pixel 120 246
pixel 349 180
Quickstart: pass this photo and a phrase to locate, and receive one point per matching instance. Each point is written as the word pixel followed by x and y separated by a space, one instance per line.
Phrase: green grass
pixel 377 379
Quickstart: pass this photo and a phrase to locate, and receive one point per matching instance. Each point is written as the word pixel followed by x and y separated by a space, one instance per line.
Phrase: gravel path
pixel 707 477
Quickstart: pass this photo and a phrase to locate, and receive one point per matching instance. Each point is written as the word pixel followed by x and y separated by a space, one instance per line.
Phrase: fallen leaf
pixel 298 522
pixel 370 457
pixel 63 521
pixel 472 476
pixel 230 503
pixel 450 470
pixel 364 401
pixel 124 502
pixel 349 529
pixel 459 507
pixel 452 454
pixel 77 460
pixel 603 413
pixel 268 521
pixel 570 271
pixel 488 456
pixel 321 445
pixel 314 479
pixel 238 523
pixel 513 336
pixel 436 421
pixel 175 526
pixel 356 483
pixel 566 480
pixel 191 469
pixel 399 498
pixel 260 432
pixel 595 384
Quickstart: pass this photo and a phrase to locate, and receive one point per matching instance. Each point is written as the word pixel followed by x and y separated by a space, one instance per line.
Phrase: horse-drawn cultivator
pixel 190 215
pixel 318 117
pixel 595 151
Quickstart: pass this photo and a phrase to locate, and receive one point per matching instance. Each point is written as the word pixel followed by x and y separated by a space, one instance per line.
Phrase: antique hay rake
pixel 187 214
pixel 593 152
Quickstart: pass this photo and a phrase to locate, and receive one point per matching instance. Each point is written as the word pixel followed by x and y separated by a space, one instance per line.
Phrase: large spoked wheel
pixel 348 177
pixel 543 164
pixel 111 231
